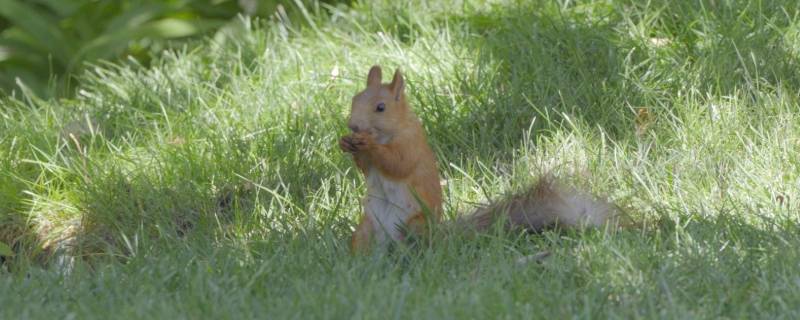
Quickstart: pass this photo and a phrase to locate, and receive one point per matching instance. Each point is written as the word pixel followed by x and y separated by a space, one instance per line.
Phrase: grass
pixel 209 184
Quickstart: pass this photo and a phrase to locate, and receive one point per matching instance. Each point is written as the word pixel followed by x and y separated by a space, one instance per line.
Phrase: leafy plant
pixel 42 42
pixel 5 250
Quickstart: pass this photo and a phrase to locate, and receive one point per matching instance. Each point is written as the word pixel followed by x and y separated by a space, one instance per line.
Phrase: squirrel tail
pixel 546 204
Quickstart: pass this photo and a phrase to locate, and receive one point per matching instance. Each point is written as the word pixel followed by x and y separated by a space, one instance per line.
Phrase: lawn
pixel 209 184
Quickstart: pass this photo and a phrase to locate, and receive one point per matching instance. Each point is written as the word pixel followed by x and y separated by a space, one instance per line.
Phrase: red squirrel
pixel 389 147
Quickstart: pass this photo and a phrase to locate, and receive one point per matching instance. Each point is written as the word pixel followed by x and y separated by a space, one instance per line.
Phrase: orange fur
pixel 361 236
pixel 390 149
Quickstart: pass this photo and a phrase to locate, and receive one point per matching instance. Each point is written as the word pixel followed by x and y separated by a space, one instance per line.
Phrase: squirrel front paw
pixel 359 141
pixel 346 144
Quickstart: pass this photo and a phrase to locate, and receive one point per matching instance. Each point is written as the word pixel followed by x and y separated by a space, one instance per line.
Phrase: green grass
pixel 209 185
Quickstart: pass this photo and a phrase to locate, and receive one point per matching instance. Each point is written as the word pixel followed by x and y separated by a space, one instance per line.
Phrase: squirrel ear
pixel 398 84
pixel 374 76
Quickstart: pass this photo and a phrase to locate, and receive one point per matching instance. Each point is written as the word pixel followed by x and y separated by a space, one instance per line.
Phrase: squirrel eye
pixel 380 107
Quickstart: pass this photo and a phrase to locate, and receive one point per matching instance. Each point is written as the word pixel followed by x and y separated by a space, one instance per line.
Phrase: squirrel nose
pixel 353 127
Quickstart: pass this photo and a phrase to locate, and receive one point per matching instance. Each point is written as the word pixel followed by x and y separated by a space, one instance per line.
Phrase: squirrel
pixel 389 146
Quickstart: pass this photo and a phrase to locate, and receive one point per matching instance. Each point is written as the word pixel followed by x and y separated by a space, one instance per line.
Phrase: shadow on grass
pixel 584 61
pixel 186 192
pixel 730 45
pixel 535 62
pixel 226 189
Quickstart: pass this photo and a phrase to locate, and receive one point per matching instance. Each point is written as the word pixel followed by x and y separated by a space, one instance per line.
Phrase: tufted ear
pixel 374 76
pixel 397 85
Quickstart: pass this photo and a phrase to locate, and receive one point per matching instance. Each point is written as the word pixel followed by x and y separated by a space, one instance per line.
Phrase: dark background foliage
pixel 44 42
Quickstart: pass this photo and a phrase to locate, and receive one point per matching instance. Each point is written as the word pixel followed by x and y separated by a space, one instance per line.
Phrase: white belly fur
pixel 388 204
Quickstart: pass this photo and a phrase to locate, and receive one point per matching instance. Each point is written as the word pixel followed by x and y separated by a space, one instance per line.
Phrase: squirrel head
pixel 380 108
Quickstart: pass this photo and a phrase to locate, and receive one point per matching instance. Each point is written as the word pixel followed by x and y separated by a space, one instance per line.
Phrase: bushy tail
pixel 545 205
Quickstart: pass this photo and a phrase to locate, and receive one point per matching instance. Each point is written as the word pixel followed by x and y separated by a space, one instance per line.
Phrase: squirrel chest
pixel 389 204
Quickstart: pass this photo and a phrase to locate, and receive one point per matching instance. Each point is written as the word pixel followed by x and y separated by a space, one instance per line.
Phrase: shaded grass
pixel 210 185
pixel 686 272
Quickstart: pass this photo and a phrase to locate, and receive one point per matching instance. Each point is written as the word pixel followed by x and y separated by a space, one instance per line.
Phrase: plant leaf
pixel 11 48
pixel 5 250
pixel 176 28
pixel 133 18
pixel 109 44
pixel 61 7
pixel 38 26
